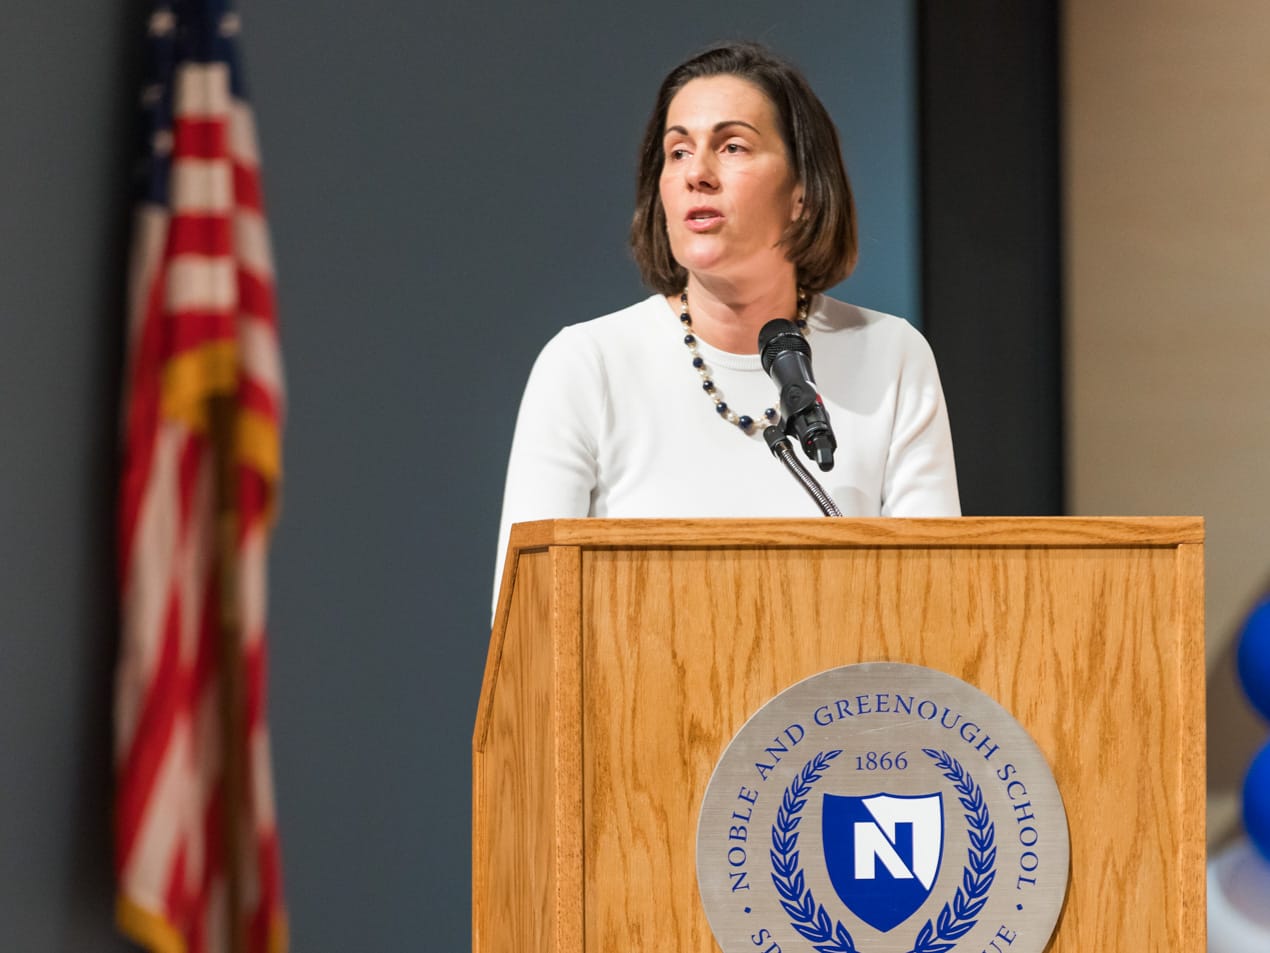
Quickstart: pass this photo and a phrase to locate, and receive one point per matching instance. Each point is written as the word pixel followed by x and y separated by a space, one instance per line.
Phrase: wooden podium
pixel 626 654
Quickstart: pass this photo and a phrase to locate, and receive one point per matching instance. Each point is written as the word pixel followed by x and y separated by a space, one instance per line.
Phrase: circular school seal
pixel 882 808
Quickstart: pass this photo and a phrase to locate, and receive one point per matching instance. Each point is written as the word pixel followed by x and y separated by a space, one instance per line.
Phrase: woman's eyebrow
pixel 718 127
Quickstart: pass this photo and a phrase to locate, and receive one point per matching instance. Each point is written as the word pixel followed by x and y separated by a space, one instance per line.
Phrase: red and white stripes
pixel 202 415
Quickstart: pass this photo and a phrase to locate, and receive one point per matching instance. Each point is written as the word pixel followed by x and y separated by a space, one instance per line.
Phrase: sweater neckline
pixel 717 357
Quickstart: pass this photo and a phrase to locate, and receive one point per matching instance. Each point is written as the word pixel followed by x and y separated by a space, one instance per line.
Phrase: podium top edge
pixel 967 531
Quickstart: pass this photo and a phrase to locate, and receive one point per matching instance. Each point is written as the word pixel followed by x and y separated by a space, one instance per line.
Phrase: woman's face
pixel 727 186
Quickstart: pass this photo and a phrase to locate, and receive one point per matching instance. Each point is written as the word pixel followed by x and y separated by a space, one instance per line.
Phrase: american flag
pixel 196 842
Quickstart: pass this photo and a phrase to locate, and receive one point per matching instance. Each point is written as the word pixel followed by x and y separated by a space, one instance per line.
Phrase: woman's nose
pixel 701 173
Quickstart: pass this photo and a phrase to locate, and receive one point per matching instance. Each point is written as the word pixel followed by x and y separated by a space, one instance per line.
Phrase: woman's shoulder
pixel 616 332
pixel 842 321
pixel 611 344
pixel 630 321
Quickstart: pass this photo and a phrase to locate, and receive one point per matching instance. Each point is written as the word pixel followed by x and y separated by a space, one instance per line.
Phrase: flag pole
pixel 232 694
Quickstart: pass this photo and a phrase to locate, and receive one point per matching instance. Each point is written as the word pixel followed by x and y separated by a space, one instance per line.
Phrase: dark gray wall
pixel 447 186
pixel 447 189
pixel 69 79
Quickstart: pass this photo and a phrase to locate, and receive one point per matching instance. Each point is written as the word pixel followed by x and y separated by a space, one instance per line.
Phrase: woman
pixel 743 214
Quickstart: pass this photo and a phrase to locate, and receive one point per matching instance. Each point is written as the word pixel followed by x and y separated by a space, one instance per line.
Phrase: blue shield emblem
pixel 883 853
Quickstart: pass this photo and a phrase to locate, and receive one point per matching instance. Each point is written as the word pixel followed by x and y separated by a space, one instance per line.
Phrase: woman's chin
pixel 698 251
pixel 707 262
pixel 721 262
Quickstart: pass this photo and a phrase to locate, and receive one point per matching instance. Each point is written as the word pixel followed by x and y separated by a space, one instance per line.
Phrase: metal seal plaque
pixel 882 808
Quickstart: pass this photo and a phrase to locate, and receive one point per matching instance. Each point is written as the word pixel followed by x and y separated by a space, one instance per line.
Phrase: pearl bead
pixel 742 421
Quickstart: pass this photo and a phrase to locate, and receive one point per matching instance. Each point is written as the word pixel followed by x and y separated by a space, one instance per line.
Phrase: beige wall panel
pixel 1167 247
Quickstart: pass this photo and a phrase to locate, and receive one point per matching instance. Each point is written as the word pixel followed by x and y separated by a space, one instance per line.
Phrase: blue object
pixel 1257 802
pixel 1253 659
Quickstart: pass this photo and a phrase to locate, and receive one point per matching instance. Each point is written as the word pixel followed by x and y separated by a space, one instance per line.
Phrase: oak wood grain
pixel 1095 646
pixel 566 625
pixel 961 531
pixel 516 799
pixel 1193 766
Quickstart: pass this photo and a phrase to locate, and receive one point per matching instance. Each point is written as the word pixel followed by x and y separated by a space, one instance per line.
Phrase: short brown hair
pixel 822 241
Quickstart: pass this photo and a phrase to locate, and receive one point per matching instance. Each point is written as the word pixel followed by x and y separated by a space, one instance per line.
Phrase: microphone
pixel 786 357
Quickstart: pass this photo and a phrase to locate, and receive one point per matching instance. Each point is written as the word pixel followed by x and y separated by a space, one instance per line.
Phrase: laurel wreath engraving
pixel 806 916
pixel 957 919
pixel 828 935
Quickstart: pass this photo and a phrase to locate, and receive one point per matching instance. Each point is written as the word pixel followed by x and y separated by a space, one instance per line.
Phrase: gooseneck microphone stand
pixel 778 443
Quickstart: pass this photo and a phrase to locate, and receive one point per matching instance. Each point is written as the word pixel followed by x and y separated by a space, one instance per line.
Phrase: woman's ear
pixel 796 211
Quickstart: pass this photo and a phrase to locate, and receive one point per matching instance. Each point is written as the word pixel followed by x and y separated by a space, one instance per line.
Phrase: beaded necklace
pixel 746 423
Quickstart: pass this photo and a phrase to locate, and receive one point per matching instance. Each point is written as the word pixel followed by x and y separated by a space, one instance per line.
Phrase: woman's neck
pixel 728 316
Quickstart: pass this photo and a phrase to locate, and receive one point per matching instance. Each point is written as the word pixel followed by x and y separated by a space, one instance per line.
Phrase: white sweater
pixel 614 422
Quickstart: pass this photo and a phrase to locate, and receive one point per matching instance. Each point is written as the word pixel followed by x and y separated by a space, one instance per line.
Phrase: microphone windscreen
pixel 776 337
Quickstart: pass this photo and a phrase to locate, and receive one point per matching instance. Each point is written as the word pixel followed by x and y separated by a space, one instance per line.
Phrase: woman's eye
pixel 733 148
pixel 676 154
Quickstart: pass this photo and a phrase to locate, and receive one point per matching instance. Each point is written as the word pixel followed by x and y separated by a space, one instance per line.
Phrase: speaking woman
pixel 743 214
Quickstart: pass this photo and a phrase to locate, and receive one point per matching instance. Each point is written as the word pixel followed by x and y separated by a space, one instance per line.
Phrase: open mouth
pixel 700 219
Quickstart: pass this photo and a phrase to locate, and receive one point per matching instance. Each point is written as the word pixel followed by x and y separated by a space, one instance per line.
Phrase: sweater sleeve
pixel 552 470
pixel 921 476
